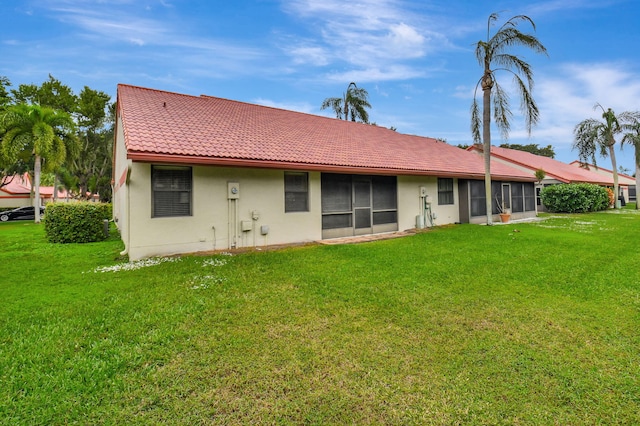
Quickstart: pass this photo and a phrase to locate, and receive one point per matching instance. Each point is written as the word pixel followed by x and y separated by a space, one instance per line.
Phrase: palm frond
pixel 586 135
pixel 57 155
pixel 335 104
pixel 501 111
pixel 510 62
pixel 493 55
pixel 476 122
pixel 528 106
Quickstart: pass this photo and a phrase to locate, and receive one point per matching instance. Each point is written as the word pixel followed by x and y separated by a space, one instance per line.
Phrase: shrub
pixel 76 222
pixel 612 198
pixel 575 198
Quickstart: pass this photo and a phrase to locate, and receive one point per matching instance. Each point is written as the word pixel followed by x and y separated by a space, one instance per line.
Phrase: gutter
pixel 269 164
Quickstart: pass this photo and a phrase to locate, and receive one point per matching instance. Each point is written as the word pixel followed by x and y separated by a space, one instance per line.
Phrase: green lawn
pixel 531 323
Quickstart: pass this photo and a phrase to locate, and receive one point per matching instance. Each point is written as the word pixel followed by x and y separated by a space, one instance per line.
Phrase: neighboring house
pixel 17 192
pixel 198 173
pixel 556 171
pixel 626 183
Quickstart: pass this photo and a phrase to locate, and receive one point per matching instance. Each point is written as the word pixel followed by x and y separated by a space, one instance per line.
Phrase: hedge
pixel 575 198
pixel 76 222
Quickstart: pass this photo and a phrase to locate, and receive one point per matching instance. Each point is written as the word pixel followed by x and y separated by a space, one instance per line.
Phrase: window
pixel 350 201
pixel 171 191
pixel 445 191
pixel 296 192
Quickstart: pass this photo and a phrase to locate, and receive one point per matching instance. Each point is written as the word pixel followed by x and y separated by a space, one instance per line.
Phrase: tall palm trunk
pixel 36 184
pixel 614 166
pixel 487 85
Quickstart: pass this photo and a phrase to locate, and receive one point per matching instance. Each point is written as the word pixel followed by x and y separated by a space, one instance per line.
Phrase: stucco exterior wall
pixel 12 200
pixel 214 221
pixel 120 193
pixel 409 201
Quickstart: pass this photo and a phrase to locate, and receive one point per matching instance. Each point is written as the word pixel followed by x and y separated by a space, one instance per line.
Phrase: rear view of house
pixel 198 173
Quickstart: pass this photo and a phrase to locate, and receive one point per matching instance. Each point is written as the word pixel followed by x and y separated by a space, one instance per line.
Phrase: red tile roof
pixel 21 185
pixel 623 179
pixel 553 168
pixel 17 184
pixel 169 127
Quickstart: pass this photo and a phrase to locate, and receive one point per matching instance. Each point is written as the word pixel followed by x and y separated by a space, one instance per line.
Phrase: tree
pixel 8 169
pixel 351 106
pixel 591 136
pixel 493 56
pixel 32 131
pixel 5 96
pixel 632 137
pixel 532 148
pixel 52 93
pixel 92 167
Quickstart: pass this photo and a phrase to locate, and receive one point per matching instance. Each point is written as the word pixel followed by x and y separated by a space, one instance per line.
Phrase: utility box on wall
pixel 233 190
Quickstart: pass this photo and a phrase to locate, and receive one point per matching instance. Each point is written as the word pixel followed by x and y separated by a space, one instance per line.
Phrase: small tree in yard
pixel 38 133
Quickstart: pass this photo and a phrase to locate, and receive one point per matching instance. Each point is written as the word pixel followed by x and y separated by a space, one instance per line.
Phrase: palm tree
pixel 38 133
pixel 351 106
pixel 632 137
pixel 493 56
pixel 592 135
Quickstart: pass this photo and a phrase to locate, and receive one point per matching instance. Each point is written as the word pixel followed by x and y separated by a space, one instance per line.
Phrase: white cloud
pixel 405 41
pixel 313 55
pixel 364 32
pixel 392 72
pixel 568 97
pixel 116 26
pixel 291 106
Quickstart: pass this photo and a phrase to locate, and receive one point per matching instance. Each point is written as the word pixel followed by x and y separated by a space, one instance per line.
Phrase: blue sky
pixel 414 57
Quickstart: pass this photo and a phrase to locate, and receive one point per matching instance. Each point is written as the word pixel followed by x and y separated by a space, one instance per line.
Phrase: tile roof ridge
pixel 309 114
pixel 168 92
pixel 595 166
pixel 564 175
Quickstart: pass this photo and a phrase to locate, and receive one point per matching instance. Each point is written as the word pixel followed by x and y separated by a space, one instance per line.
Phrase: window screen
pixel 477 198
pixel 296 192
pixel 517 198
pixel 529 197
pixel 336 193
pixel 445 191
pixel 171 191
pixel 384 193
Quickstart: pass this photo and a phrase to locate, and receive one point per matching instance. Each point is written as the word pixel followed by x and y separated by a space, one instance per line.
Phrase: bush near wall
pixel 575 198
pixel 76 222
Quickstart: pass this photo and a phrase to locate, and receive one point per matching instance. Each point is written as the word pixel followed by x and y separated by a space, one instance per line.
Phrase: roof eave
pixel 146 157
